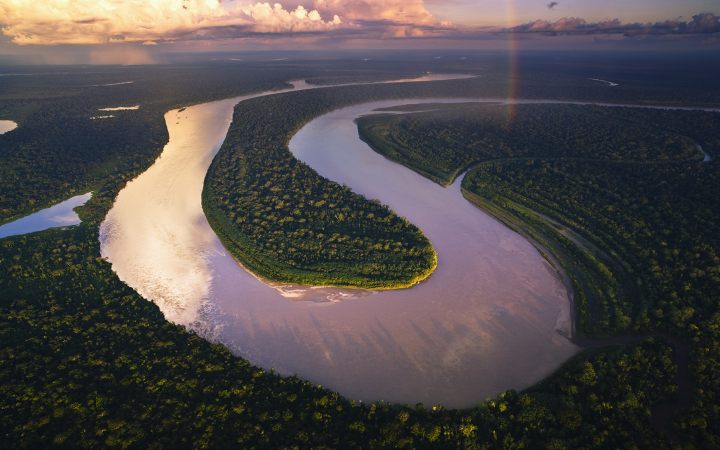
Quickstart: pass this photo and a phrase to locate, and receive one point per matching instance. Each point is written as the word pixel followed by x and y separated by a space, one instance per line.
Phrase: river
pixel 485 321
pixel 490 318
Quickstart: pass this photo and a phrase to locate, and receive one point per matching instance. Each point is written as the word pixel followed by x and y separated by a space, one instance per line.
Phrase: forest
pixel 85 362
pixel 440 144
pixel 641 195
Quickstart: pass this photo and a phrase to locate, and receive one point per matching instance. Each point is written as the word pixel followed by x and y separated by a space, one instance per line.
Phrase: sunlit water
pixel 120 108
pixel 7 125
pixel 491 317
pixel 58 215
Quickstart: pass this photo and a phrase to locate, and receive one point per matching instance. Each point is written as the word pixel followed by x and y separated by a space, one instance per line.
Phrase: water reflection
pixel 58 215
pixel 7 125
pixel 485 321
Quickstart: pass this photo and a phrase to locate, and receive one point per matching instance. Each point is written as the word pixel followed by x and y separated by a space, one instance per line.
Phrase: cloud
pixel 395 11
pixel 51 22
pixel 700 24
pixel 150 22
pixel 100 21
pixel 274 19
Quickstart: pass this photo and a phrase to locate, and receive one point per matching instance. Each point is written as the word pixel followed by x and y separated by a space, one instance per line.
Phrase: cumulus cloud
pixel 387 19
pixel 396 11
pixel 100 21
pixel 51 22
pixel 274 19
pixel 700 24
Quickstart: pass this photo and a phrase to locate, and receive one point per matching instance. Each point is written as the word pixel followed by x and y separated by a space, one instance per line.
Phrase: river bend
pixel 490 318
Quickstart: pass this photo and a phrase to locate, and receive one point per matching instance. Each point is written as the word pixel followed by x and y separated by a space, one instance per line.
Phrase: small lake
pixel 7 125
pixel 59 215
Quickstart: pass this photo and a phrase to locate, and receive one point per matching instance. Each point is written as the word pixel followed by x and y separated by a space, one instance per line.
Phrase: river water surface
pixel 7 125
pixel 58 215
pixel 490 318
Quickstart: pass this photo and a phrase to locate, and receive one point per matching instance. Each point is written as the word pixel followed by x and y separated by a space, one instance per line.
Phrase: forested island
pixel 85 362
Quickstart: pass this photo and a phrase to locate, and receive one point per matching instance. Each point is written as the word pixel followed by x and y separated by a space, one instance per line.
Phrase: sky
pixel 98 27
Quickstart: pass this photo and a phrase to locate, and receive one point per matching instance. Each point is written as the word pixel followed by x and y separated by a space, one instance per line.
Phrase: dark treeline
pixel 440 144
pixel 662 222
pixel 698 124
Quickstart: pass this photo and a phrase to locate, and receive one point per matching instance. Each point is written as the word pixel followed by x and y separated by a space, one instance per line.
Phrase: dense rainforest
pixel 441 143
pixel 660 221
pixel 85 362
pixel 631 215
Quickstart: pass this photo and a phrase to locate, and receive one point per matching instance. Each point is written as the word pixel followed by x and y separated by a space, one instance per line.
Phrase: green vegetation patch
pixel 286 223
pixel 442 143
pixel 661 222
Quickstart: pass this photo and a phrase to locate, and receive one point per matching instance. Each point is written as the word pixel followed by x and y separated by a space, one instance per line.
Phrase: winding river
pixel 493 316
